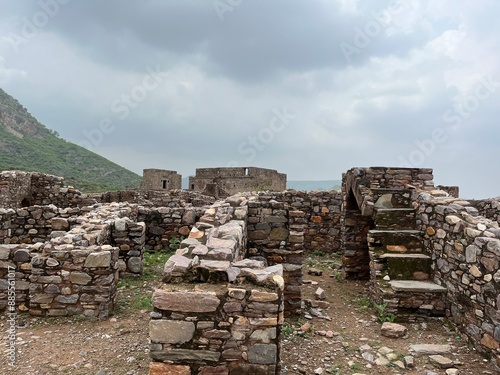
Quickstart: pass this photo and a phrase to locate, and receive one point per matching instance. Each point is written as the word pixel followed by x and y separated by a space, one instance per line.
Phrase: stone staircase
pixel 400 268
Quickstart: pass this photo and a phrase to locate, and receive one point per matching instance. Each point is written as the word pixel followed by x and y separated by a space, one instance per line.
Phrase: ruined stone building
pixel 222 182
pixel 160 179
pixel 423 251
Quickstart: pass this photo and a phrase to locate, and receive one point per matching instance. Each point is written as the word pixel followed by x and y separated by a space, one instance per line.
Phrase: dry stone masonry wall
pixel 465 249
pixel 23 189
pixel 61 280
pixel 219 313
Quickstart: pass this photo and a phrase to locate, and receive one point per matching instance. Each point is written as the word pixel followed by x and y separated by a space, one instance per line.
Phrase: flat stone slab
pixel 416 286
pixel 440 361
pixel 411 256
pixel 430 349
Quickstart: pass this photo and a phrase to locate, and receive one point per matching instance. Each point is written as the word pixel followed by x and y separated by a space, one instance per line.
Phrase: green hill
pixel 26 144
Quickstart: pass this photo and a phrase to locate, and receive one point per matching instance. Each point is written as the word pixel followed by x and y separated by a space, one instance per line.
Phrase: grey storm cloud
pixel 182 84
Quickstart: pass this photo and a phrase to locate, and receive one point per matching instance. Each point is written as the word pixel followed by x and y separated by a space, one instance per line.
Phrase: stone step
pixel 394 218
pixel 416 286
pixel 392 198
pixel 400 266
pixel 409 299
pixel 395 241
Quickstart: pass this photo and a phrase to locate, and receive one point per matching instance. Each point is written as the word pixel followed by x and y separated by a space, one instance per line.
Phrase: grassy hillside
pixel 26 144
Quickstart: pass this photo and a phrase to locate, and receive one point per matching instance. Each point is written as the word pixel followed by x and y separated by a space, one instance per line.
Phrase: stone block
pixel 171 331
pixel 218 370
pixel 158 368
pixel 59 224
pixel 21 256
pixel 70 299
pixel 98 259
pixel 185 355
pixel 80 278
pixel 185 301
pixel 135 264
pixel 259 296
pixel 263 354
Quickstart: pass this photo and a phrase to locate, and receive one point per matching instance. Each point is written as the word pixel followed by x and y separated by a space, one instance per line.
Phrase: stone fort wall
pixel 233 180
pixel 160 179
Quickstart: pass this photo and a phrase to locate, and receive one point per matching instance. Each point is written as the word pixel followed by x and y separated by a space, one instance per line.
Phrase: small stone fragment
pixel 393 330
pixel 319 294
pixel 440 361
pixel 409 361
pixel 315 272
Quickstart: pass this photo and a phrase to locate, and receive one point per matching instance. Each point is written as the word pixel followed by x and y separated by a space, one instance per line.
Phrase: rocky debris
pixel 393 330
pixel 320 294
pixel 315 271
pixel 440 361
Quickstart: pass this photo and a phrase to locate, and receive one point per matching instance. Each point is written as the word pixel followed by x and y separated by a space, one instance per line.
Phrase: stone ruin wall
pixel 462 236
pixel 68 261
pixel 465 248
pixel 219 312
pixel 23 189
pixel 160 179
pixel 60 281
pixel 229 181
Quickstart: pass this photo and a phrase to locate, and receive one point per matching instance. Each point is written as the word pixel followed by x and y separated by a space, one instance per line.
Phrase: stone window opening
pixel 165 184
pixel 246 171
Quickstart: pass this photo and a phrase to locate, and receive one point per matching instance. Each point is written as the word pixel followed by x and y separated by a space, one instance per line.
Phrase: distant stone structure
pixel 160 179
pixel 222 182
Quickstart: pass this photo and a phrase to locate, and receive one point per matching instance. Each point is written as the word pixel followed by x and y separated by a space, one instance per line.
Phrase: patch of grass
pixel 326 262
pixel 175 242
pixel 291 328
pixel 154 263
pixel 133 295
pixel 362 303
pixel 355 367
pixel 287 331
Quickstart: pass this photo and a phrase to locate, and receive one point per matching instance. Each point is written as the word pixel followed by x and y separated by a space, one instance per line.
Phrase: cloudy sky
pixel 311 88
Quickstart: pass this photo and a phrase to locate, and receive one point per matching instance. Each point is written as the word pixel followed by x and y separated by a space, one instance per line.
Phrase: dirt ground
pixel 329 344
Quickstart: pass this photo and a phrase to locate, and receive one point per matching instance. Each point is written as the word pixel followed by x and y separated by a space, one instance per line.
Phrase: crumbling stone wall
pixel 160 179
pixel 34 224
pixel 219 313
pixel 154 198
pixel 15 189
pixel 24 189
pixel 61 280
pixel 165 223
pixel 465 250
pixel 489 208
pixel 321 218
pixel 276 233
pixel 232 180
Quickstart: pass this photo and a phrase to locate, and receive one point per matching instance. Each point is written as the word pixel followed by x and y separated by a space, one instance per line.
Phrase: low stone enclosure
pixel 238 272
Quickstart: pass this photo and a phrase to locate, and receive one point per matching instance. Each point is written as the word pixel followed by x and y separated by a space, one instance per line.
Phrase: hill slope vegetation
pixel 26 144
